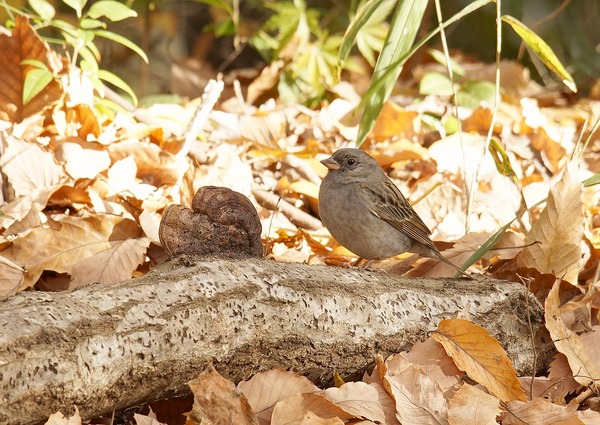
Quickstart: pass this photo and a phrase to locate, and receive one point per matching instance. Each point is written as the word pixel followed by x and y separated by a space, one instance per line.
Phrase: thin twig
pixel 212 92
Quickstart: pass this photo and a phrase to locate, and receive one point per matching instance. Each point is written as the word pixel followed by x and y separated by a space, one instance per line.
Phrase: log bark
pixel 108 347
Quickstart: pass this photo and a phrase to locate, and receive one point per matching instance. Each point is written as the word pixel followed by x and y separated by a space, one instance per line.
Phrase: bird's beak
pixel 331 163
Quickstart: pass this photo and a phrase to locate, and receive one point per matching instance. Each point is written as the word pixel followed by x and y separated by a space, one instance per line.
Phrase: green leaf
pixel 78 5
pixel 110 9
pixel 376 85
pixel 595 179
pixel 473 93
pixel 117 82
pixel 107 107
pixel 34 62
pixel 372 35
pixel 360 20
pixel 436 84
pixel 44 9
pixel 122 40
pixel 403 30
pixel 502 160
pixel 89 24
pixel 485 247
pixel 65 27
pixel 89 60
pixel 542 50
pixel 35 81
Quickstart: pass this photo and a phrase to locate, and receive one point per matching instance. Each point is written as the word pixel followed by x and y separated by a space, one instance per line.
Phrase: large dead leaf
pixel 76 239
pixel 29 167
pixel 114 264
pixel 24 43
pixel 293 410
pixel 560 373
pixel 265 389
pixel 153 165
pixel 539 411
pixel 218 401
pixel 480 356
pixel 553 243
pixel 34 218
pixel 470 405
pixel 419 399
pixel 358 399
pixel 11 277
pixel 585 370
pixel 431 358
pixel 82 159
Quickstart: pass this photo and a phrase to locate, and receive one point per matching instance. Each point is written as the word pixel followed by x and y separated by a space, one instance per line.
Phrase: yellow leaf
pixel 542 50
pixel 480 356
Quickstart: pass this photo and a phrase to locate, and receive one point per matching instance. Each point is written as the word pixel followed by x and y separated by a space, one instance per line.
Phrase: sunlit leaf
pixel 90 24
pixel 36 80
pixel 118 82
pixel 110 9
pixel 43 8
pixel 594 180
pixel 122 40
pixel 358 22
pixel 403 30
pixel 542 50
pixel 78 5
pixel 553 243
pixel 481 356
pixel 473 93
pixel 436 84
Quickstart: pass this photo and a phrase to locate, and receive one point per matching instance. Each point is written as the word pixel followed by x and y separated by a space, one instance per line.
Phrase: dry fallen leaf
pixel 358 399
pixel 419 398
pixel 293 410
pixel 585 370
pixel 17 160
pixel 553 243
pixel 12 277
pixel 23 44
pixel 539 411
pixel 393 122
pixel 218 401
pixel 77 238
pixel 472 406
pixel 145 420
pixel 82 159
pixel 480 356
pixel 431 358
pixel 560 373
pixel 114 264
pixel 265 389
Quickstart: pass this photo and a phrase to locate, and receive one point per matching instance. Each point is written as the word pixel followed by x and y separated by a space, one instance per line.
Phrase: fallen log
pixel 108 347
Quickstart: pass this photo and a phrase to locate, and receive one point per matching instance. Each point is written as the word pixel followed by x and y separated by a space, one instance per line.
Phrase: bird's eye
pixel 351 161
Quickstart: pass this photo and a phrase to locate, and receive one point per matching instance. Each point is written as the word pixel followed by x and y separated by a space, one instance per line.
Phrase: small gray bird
pixel 365 211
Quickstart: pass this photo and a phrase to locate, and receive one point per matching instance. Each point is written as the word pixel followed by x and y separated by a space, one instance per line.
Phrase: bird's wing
pixel 391 206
